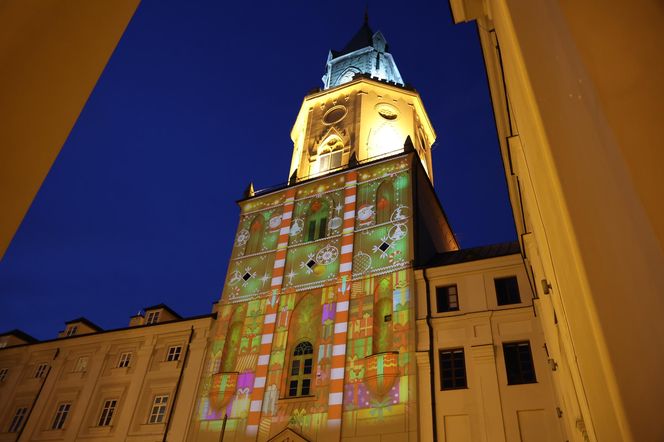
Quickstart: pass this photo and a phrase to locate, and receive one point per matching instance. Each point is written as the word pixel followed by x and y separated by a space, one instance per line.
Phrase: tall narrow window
pixel 158 410
pixel 519 363
pixel 301 369
pixel 233 340
pixel 255 241
pixel 507 290
pixel 71 330
pixel 384 202
pixel 452 369
pixel 317 220
pixel 447 299
pixel 41 370
pixel 107 413
pixel 174 353
pixel 153 317
pixel 60 417
pixel 17 420
pixel 125 360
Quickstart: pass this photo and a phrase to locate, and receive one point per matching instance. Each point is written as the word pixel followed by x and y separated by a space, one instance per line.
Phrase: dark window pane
pixel 292 389
pixel 311 235
pixel 507 290
pixel 453 369
pixel 447 299
pixel 305 386
pixel 307 366
pixel 295 369
pixel 519 363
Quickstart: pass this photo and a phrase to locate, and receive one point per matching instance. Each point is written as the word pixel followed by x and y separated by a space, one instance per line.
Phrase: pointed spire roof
pixel 361 39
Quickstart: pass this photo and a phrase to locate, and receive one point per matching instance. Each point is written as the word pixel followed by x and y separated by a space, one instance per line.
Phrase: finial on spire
pixel 249 191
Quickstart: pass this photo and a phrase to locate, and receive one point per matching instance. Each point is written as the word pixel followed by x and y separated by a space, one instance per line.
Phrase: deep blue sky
pixel 197 100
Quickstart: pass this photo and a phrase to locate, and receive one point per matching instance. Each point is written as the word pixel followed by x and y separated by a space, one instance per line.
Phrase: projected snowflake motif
pixel 265 278
pixel 290 275
pixel 297 226
pixel 242 237
pixel 327 254
pixel 309 264
pixel 383 247
pixel 237 276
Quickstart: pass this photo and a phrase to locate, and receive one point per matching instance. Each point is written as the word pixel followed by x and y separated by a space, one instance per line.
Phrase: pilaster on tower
pixel 364 111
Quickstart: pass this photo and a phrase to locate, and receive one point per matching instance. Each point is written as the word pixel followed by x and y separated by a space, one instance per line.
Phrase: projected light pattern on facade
pixel 323 268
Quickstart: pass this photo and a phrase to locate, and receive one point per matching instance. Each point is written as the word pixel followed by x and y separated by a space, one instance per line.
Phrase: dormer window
pixel 152 317
pixel 71 330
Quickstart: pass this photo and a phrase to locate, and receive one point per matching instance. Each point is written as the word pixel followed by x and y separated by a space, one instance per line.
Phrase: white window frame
pixel 107 412
pixel 71 330
pixel 152 317
pixel 61 414
pixel 18 420
pixel 41 370
pixel 174 353
pixel 125 359
pixel 3 374
pixel 158 409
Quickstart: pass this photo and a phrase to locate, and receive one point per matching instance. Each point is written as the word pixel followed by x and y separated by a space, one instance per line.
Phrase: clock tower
pixel 315 334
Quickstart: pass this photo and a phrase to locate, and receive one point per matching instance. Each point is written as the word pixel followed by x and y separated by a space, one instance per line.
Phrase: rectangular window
pixel 81 364
pixel 519 363
pixel 41 370
pixel 125 359
pixel 452 369
pixel 507 290
pixel 152 318
pixel 324 163
pixel 158 410
pixel 17 420
pixel 174 353
pixel 3 374
pixel 107 413
pixel 335 161
pixel 60 416
pixel 71 330
pixel 447 299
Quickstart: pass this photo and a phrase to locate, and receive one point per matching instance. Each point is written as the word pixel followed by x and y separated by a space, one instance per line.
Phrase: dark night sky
pixel 197 100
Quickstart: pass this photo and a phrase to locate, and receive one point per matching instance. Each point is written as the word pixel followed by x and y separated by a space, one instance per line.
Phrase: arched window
pixel 301 370
pixel 317 220
pixel 382 317
pixel 384 202
pixel 329 154
pixel 256 229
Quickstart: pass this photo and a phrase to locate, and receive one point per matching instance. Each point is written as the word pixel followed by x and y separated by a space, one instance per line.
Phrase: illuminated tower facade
pixel 315 336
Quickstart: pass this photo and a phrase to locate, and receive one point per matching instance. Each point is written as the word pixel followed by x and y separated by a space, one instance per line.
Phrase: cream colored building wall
pixel 52 53
pixel 579 118
pixel 134 387
pixel 489 409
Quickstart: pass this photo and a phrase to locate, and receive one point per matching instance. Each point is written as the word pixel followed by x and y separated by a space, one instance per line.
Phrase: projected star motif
pixel 339 208
pixel 290 275
pixel 264 278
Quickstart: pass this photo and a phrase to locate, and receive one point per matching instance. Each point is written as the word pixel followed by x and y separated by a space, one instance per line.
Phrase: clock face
pixel 335 114
pixel 387 111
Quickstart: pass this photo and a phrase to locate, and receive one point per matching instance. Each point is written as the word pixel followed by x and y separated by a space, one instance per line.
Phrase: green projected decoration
pixel 378 357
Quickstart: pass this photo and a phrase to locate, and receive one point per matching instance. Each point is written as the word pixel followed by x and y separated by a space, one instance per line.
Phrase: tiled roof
pixel 474 254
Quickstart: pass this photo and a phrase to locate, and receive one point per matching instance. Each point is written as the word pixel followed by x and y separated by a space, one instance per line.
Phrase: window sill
pixel 307 398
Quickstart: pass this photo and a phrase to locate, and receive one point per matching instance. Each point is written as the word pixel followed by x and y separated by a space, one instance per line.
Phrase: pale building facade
pixel 133 384
pixel 578 99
